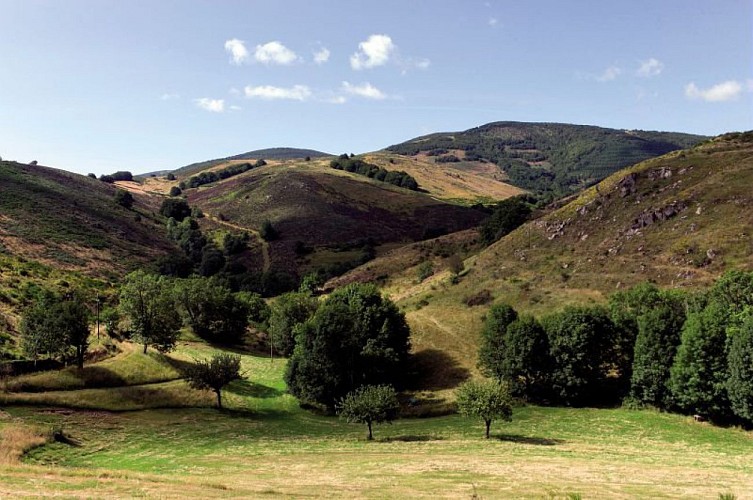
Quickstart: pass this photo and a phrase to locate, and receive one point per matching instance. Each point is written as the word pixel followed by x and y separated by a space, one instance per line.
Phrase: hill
pixel 325 216
pixel 259 154
pixel 679 220
pixel 59 229
pixel 547 157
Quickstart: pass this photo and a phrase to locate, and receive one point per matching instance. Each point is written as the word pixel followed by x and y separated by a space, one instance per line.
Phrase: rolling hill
pixel 679 220
pixel 59 229
pixel 546 157
pixel 258 154
pixel 330 211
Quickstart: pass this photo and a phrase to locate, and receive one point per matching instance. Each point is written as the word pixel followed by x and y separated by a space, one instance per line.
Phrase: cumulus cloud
pixel 237 49
pixel 274 53
pixel 373 52
pixel 609 74
pixel 725 91
pixel 211 105
pixel 365 90
pixel 651 67
pixel 339 99
pixel 321 56
pixel 268 92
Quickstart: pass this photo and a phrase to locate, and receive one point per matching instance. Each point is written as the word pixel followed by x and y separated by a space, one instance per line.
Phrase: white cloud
pixel 651 67
pixel 169 97
pixel 493 21
pixel 237 49
pixel 321 56
pixel 235 108
pixel 268 92
pixel 340 99
pixel 423 64
pixel 725 91
pixel 609 74
pixel 212 105
pixel 366 90
pixel 274 53
pixel 373 52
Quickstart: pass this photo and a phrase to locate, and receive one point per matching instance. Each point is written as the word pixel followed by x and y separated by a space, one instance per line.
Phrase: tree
pixel 492 351
pixel 170 176
pixel 356 337
pixel 485 399
pixel 287 312
pixel 175 191
pixel 147 302
pixel 212 260
pixel 176 208
pixel 212 311
pixel 699 373
pixel 579 346
pixel 655 348
pixel 508 215
pixel 369 404
pixel 526 364
pixel 268 232
pixel 740 366
pixel 214 374
pixel 124 198
pixel 56 326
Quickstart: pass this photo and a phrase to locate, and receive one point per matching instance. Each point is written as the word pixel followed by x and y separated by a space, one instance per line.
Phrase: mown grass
pixel 263 444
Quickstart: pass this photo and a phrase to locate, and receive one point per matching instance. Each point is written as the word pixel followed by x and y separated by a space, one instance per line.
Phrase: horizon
pixel 147 87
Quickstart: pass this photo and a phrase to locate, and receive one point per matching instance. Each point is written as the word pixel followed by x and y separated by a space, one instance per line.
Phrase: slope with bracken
pixel 679 220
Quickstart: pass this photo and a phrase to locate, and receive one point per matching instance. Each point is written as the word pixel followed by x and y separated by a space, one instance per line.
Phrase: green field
pixel 264 444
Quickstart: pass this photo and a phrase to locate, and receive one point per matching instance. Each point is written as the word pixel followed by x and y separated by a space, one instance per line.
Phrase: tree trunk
pixel 488 424
pixel 145 346
pixel 371 437
pixel 80 357
pixel 219 399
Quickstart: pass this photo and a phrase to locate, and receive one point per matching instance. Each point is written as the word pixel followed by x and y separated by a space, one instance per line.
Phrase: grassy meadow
pixel 153 436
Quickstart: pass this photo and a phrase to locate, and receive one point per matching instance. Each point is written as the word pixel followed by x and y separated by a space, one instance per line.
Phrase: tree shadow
pixel 533 440
pixel 410 438
pixel 435 370
pixel 250 390
pixel 182 365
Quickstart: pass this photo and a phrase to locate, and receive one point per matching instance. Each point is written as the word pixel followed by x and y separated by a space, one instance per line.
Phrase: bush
pixel 175 191
pixel 478 299
pixel 175 208
pixel 124 198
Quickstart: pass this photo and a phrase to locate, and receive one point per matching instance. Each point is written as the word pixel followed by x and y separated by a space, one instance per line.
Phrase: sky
pixel 144 85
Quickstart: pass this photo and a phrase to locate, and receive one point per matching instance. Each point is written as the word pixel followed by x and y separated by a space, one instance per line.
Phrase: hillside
pixel 331 212
pixel 258 154
pixel 679 220
pixel 547 157
pixel 59 228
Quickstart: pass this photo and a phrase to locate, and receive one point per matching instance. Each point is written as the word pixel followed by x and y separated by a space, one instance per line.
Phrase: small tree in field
pixel 487 399
pixel 214 374
pixel 370 404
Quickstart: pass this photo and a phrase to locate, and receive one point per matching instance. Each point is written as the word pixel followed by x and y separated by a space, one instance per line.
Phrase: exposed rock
pixel 710 253
pixel 648 217
pixel 627 185
pixel 661 173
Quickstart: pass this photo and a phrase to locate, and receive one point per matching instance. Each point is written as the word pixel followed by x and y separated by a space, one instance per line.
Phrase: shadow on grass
pixel 250 390
pixel 181 365
pixel 410 438
pixel 437 370
pixel 538 441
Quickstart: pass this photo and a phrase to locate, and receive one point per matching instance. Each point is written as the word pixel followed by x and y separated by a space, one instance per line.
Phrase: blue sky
pixel 101 85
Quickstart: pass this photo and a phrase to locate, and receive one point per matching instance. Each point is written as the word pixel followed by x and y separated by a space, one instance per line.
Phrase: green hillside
pixel 679 220
pixel 59 229
pixel 548 157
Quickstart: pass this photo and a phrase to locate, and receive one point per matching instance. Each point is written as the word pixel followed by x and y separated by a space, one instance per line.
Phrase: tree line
pixel 358 166
pixel 211 176
pixel 677 351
